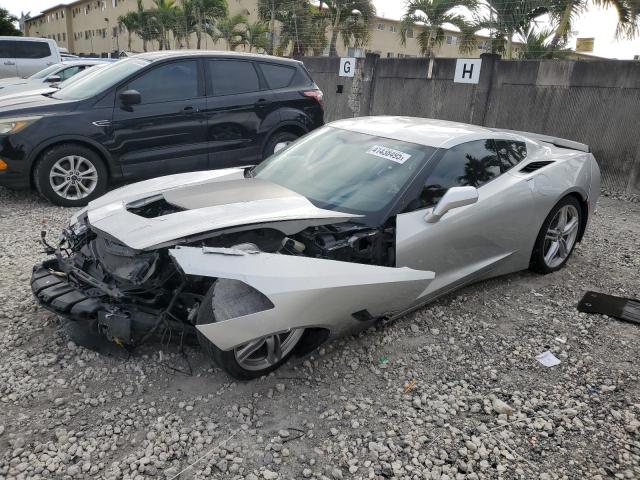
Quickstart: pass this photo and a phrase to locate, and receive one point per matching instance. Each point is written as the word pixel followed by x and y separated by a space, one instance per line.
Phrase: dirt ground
pixel 452 391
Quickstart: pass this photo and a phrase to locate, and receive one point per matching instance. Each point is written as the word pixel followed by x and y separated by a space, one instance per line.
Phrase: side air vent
pixel 533 166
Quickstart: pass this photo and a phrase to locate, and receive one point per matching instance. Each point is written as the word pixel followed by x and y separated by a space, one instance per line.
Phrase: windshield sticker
pixel 389 154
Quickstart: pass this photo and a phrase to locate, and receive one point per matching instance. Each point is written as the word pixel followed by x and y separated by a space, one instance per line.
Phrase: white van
pixel 24 56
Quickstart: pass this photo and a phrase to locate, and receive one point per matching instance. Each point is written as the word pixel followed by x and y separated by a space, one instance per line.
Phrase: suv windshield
pixel 103 79
pixel 345 170
pixel 44 73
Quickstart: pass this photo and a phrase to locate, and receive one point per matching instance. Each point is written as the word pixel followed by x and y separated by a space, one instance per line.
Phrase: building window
pixel 62 14
pixel 64 36
pixel 452 39
pixel 380 26
pixel 393 28
pixel 390 55
pixel 355 52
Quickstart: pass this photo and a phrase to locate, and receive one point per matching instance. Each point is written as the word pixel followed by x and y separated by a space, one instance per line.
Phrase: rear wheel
pixel 280 137
pixel 230 299
pixel 70 175
pixel 557 237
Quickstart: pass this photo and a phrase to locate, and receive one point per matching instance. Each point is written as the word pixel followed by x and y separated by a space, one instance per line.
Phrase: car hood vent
pixel 533 166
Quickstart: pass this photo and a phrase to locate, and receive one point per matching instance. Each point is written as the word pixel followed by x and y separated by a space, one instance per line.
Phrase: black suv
pixel 154 114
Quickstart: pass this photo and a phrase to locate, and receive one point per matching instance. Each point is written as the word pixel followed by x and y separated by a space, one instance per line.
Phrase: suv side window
pixel 168 83
pixel 511 153
pixel 469 164
pixel 32 49
pixel 231 77
pixel 6 49
pixel 277 76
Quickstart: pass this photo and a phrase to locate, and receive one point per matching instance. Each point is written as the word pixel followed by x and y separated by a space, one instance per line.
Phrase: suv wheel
pixel 70 175
pixel 280 137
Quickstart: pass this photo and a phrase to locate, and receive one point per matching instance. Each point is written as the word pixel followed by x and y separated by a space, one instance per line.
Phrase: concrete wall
pixel 593 102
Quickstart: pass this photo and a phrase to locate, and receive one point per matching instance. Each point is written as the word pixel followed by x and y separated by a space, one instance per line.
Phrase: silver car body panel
pixel 248 202
pixel 306 292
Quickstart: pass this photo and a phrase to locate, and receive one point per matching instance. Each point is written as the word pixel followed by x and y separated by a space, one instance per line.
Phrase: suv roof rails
pixel 557 141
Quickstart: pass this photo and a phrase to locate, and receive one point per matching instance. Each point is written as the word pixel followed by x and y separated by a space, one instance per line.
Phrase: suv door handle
pixel 9 63
pixel 190 109
pixel 263 102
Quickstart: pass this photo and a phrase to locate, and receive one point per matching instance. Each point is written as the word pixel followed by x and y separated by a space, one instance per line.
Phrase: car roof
pixel 422 131
pixel 165 54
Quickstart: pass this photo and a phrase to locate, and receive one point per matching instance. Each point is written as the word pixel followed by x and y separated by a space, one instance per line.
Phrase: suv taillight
pixel 317 95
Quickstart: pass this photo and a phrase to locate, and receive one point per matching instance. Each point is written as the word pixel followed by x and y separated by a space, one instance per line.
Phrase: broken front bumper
pixel 91 317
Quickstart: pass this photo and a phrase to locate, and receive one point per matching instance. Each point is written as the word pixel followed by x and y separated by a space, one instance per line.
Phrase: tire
pixel 541 259
pixel 87 177
pixel 229 299
pixel 278 137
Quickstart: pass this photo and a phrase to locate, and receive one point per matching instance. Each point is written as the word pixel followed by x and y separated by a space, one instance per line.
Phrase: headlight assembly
pixel 10 126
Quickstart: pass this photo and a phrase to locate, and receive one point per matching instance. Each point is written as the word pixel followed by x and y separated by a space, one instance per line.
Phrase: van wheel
pixel 70 175
pixel 280 137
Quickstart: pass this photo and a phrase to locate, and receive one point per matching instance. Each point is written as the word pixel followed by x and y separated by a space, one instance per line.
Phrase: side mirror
pixel 455 197
pixel 130 97
pixel 53 79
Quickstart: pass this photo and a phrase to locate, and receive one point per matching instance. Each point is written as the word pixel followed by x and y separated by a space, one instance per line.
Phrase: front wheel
pixel 70 175
pixel 230 299
pixel 557 237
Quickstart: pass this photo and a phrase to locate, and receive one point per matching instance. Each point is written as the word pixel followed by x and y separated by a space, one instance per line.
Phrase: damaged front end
pixel 114 292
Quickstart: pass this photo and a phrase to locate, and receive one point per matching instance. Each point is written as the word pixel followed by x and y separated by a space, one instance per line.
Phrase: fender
pixel 114 170
pixel 283 125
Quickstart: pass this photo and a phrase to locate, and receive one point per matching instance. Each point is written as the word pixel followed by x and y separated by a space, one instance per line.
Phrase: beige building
pixel 90 27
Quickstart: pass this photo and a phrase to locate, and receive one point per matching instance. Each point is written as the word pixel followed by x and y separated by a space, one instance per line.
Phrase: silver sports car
pixel 359 221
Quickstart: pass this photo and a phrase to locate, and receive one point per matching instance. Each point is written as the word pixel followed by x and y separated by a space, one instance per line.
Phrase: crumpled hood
pixel 204 201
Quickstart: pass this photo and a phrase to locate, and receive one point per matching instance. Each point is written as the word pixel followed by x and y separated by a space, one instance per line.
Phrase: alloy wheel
pixel 267 351
pixel 73 177
pixel 561 236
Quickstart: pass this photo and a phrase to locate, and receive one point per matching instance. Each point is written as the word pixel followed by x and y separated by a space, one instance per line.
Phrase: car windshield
pixel 90 70
pixel 102 80
pixel 45 72
pixel 346 171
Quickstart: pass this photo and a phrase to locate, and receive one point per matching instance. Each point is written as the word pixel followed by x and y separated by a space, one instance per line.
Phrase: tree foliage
pixel 8 24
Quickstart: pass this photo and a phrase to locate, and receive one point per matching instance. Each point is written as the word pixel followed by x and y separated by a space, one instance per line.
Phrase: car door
pixel 239 110
pixel 32 56
pixel 8 66
pixel 487 238
pixel 166 132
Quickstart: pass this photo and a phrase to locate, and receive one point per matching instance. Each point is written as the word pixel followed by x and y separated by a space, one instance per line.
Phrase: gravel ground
pixel 450 392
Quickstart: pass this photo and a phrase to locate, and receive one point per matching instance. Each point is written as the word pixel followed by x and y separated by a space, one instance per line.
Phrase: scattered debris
pixel 625 309
pixel 383 361
pixel 548 359
pixel 409 386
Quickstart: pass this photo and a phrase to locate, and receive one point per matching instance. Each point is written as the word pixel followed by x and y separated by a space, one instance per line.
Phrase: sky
pixel 598 23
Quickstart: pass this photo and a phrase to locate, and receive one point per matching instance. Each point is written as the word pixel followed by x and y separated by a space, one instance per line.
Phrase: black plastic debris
pixel 625 309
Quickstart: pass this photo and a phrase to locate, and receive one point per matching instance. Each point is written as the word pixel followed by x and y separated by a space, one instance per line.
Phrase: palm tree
pixel 230 29
pixel 565 13
pixel 537 45
pixel 131 22
pixel 205 13
pixel 302 30
pixel 431 15
pixel 164 14
pixel 256 36
pixel 350 19
pixel 509 18
pixel 274 10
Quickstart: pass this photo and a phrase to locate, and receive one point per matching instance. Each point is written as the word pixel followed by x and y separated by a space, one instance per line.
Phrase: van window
pixel 277 76
pixel 230 77
pixel 6 49
pixel 32 50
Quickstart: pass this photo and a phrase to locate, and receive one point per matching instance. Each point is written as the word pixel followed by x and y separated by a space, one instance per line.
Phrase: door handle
pixel 9 63
pixel 189 109
pixel 263 102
